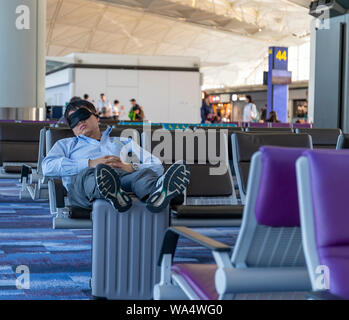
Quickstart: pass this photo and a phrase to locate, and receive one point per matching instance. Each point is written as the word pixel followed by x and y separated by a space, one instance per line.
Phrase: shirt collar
pixel 104 136
pixel 106 133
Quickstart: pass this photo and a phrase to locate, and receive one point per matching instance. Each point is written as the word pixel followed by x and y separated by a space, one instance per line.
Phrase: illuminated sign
pixel 225 98
pixel 214 99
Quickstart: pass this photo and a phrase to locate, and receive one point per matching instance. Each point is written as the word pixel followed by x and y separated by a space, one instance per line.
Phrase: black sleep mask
pixel 79 115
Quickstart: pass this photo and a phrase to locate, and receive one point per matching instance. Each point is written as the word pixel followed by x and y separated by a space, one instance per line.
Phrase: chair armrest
pixel 59 192
pixel 322 295
pixel 25 172
pixel 200 239
pixel 172 234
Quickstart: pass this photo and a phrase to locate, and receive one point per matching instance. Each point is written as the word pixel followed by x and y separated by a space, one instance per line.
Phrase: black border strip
pixel 108 66
pixel 342 56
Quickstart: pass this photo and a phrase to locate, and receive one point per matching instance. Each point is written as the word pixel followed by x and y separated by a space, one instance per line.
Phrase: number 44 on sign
pixel 281 56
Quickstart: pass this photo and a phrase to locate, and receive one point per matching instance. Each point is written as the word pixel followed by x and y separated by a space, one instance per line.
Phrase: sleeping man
pixel 94 166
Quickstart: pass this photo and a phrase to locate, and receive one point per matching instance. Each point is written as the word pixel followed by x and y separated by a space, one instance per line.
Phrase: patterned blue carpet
pixel 60 260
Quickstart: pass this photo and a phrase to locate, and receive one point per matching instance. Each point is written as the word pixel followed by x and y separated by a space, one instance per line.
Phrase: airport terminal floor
pixel 60 260
pixel 174 150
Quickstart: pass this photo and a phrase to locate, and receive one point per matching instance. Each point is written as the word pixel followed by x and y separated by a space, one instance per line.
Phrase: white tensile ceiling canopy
pixel 231 37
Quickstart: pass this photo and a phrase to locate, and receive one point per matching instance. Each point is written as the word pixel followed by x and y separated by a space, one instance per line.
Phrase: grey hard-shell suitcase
pixel 125 250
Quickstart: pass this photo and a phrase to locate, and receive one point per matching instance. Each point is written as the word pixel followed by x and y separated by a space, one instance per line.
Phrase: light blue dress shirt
pixel 70 156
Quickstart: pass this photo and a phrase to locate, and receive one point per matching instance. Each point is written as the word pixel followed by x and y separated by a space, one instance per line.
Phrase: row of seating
pixel 212 125
pixel 197 191
pixel 19 142
pixel 293 238
pixel 203 203
pixel 242 124
pixel 269 255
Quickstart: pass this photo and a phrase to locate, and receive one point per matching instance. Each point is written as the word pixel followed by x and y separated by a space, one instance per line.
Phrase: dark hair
pixel 116 101
pixel 102 94
pixel 86 96
pixel 249 98
pixel 77 104
pixel 75 98
pixel 273 117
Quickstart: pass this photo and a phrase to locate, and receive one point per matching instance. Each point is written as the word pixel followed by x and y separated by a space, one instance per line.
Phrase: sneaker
pixel 109 186
pixel 171 184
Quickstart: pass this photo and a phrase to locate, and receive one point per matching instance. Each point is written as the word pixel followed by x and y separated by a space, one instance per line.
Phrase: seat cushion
pixel 19 151
pixel 207 212
pixel 323 138
pixel 202 182
pixel 200 278
pixel 249 143
pixel 20 132
pixel 55 134
pixel 13 169
pixel 277 199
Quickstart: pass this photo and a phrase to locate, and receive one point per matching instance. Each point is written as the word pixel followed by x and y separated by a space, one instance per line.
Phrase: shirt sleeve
pixel 57 164
pixel 254 111
pixel 146 159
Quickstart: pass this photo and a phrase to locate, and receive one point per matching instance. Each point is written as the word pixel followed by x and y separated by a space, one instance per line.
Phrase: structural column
pixel 331 77
pixel 22 59
pixel 278 80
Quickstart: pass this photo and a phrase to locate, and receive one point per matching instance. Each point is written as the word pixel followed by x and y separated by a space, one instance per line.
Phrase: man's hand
pixel 112 161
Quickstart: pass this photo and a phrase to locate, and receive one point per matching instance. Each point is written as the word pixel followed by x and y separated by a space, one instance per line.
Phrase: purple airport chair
pixel 280 125
pixel 323 183
pixel 268 260
pixel 258 125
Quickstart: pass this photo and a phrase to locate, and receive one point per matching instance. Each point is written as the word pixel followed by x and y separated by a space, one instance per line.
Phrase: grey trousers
pixel 83 188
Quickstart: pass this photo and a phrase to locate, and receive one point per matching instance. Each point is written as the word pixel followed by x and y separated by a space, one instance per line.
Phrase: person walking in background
pixel 141 115
pixel 206 111
pixel 135 111
pixel 86 97
pixel 104 107
pixel 115 108
pixel 250 110
pixel 122 114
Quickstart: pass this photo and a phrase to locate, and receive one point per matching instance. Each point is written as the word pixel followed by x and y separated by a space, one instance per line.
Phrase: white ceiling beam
pixel 302 3
pixel 53 23
pixel 187 14
pixel 93 31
